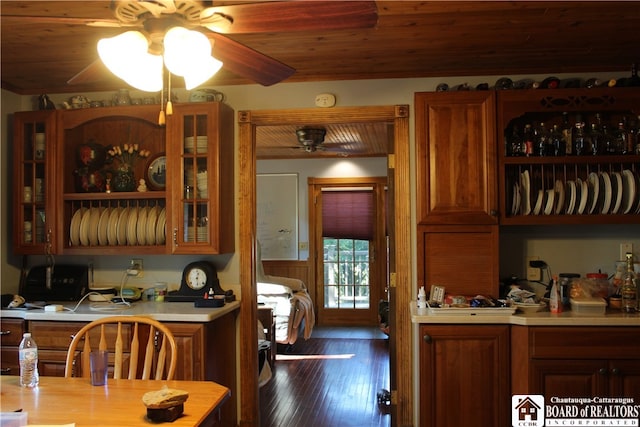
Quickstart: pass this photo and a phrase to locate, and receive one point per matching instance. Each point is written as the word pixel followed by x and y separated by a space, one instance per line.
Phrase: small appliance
pixel 68 283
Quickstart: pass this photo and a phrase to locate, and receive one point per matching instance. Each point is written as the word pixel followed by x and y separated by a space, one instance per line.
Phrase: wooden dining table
pixel 61 401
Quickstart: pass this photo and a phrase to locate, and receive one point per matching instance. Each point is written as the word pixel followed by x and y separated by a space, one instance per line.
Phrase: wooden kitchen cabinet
pixel 53 339
pixel 464 375
pixel 98 214
pixel 200 166
pixel 552 179
pixel 11 331
pixel 457 191
pixel 84 207
pixel 444 250
pixel 576 361
pixel 206 351
pixel 34 184
pixel 456 152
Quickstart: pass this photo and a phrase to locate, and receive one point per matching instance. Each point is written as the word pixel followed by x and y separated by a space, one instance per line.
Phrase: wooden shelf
pixel 115 196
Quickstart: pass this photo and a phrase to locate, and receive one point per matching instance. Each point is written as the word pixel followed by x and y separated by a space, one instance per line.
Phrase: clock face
pixel 196 278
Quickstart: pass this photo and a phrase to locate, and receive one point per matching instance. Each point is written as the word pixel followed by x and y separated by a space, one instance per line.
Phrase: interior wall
pixel 516 243
pixel 320 168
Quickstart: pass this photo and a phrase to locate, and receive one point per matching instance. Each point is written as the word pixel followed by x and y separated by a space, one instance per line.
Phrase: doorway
pixel 399 252
pixel 348 245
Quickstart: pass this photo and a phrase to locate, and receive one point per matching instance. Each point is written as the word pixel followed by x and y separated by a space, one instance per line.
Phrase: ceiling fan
pixel 312 139
pixel 155 17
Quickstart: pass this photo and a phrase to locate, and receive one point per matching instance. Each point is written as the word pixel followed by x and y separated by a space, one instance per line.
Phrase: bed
pixel 292 306
pixel 292 309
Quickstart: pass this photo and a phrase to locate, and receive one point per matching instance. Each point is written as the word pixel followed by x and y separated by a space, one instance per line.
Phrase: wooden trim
pixel 402 350
pixel 378 273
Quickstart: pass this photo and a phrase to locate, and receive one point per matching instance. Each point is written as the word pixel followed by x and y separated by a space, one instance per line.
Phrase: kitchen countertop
pixel 542 318
pixel 162 311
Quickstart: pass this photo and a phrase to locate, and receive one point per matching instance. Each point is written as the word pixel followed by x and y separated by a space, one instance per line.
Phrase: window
pixel 346 273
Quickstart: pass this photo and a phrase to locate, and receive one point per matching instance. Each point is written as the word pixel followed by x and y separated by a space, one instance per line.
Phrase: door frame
pixel 400 291
pixel 316 259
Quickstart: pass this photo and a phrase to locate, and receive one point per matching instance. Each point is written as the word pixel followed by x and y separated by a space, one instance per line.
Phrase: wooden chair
pixel 124 335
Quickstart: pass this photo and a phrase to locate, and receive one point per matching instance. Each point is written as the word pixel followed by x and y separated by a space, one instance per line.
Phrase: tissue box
pixel 588 306
pixel 13 419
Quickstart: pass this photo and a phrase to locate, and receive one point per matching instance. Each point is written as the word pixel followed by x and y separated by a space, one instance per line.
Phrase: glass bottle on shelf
pixel 541 137
pixel 556 142
pixel 620 139
pixel 567 134
pixel 580 142
pixel 597 143
pixel 629 287
pixel 608 144
pixel 527 140
pixel 514 143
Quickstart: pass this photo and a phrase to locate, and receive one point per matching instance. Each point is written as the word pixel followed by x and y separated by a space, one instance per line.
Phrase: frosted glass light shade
pixel 126 55
pixel 187 53
pixel 201 71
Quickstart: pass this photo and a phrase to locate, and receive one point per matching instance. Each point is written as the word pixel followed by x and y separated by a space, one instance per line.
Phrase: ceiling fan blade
pixel 246 62
pixel 94 72
pixel 289 16
pixel 93 22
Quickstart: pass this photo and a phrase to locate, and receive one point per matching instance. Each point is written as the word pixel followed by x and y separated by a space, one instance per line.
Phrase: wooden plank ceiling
pixel 411 39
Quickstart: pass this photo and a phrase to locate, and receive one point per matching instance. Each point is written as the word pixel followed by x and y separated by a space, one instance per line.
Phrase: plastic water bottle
pixel 28 355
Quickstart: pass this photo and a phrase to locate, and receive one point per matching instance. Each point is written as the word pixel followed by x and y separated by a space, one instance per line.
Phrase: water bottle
pixel 28 355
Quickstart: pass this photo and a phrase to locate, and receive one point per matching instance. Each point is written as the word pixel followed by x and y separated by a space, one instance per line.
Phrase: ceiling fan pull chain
pixel 169 104
pixel 161 117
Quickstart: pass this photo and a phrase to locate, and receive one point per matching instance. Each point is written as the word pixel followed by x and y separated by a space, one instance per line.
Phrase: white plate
pixel 74 229
pixel 152 219
pixel 549 202
pixel 112 229
pixel 606 185
pixel 515 196
pixel 103 227
pixel 525 202
pixel 160 227
pixel 594 191
pixel 583 189
pixel 122 226
pixel 629 191
pixel 141 227
pixel 616 189
pixel 559 187
pixel 539 200
pixel 84 227
pixel 131 226
pixel 571 197
pixel 94 218
pixel 637 178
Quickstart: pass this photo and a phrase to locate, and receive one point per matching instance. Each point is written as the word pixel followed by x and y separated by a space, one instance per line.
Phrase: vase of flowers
pixel 124 159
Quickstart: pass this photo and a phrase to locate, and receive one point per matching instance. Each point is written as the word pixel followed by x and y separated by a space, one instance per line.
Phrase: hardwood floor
pixel 332 379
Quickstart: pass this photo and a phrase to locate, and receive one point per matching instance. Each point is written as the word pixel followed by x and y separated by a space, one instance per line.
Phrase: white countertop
pixel 542 318
pixel 162 311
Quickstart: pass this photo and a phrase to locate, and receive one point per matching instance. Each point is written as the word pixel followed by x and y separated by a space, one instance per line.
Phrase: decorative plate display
pixel 156 176
pixel 91 155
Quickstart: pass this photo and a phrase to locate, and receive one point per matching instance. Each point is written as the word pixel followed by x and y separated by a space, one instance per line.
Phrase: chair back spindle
pixel 159 348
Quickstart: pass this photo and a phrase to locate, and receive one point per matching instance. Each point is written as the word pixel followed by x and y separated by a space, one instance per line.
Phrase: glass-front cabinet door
pixel 201 188
pixel 33 188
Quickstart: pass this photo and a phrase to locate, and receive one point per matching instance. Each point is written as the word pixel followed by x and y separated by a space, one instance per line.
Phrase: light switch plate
pixel 624 249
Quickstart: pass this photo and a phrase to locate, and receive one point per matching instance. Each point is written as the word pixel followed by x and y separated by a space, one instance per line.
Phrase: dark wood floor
pixel 332 379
